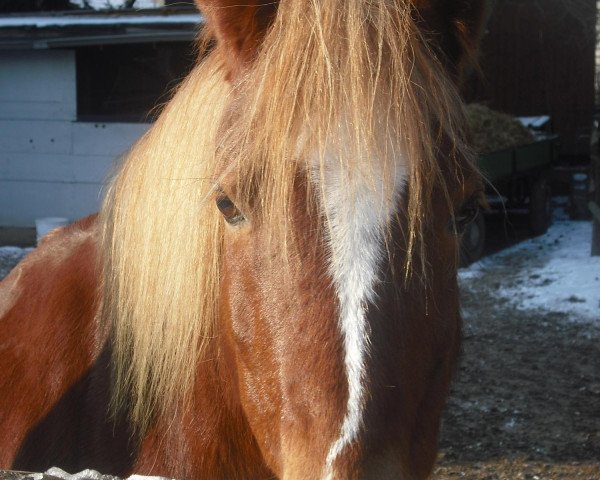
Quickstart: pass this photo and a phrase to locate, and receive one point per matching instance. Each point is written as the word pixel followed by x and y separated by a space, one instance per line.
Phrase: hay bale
pixel 493 131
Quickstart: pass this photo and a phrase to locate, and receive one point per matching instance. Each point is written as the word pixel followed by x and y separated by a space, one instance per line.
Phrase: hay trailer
pixel 517 180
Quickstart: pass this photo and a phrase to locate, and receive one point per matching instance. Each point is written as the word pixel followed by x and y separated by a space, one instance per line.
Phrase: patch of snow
pixel 83 475
pixel 510 425
pixel 9 257
pixel 534 122
pixel 553 272
pixel 87 474
pixel 111 4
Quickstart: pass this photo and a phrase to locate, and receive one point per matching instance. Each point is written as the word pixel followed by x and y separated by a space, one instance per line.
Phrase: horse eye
pixel 466 215
pixel 229 211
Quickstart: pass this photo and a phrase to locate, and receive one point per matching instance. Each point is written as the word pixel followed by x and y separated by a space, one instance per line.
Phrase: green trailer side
pixel 496 165
pixel 518 176
pixel 521 160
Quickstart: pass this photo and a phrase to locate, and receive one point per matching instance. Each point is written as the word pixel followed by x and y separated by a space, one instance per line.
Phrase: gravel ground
pixel 526 400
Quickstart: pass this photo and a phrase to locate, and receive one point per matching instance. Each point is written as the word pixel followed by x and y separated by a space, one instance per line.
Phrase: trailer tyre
pixel 540 207
pixel 473 241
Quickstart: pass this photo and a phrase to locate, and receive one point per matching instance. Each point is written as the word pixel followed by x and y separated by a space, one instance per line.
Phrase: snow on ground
pixel 55 473
pixel 9 257
pixel 553 272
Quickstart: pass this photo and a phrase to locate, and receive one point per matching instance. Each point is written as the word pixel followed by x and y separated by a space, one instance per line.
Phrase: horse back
pixel 54 368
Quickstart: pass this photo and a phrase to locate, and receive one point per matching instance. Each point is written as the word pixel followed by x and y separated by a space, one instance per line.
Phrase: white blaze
pixel 357 216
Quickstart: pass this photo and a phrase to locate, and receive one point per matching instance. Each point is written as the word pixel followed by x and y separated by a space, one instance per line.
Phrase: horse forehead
pixel 357 191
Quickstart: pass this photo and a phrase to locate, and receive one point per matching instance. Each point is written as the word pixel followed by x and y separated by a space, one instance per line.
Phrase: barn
pixel 77 88
pixel 538 58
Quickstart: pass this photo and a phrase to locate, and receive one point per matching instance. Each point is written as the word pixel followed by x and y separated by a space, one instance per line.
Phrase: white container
pixel 45 225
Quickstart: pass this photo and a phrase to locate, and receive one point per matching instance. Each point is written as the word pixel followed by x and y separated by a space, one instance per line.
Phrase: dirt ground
pixel 526 400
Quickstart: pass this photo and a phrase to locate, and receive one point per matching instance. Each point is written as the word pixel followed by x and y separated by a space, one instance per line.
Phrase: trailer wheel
pixel 540 207
pixel 473 241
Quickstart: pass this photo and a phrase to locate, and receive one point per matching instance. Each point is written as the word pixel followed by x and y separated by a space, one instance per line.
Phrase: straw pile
pixel 493 131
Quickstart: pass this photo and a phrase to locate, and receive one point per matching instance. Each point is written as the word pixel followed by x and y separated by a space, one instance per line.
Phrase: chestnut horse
pixel 270 288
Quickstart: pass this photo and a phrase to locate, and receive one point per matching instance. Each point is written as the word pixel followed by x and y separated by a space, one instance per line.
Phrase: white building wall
pixel 38 84
pixel 50 164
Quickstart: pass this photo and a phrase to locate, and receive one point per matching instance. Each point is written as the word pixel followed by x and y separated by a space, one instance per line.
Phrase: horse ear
pixel 238 26
pixel 455 27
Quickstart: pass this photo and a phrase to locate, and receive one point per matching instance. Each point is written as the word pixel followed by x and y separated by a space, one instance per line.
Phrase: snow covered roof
pixel 68 29
pixel 104 19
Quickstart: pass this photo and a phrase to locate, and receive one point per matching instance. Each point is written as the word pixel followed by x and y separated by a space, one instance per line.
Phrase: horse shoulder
pixel 48 307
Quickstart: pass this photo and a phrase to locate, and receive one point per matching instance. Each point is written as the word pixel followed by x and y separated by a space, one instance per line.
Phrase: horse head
pixel 282 246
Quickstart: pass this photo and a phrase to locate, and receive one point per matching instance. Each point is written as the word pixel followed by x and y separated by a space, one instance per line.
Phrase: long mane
pixel 355 82
pixel 161 248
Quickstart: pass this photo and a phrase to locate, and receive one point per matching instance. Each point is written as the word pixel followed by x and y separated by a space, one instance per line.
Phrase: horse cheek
pixel 246 340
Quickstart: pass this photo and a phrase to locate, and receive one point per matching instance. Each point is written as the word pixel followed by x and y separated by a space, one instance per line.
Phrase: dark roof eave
pixel 71 30
pixel 31 43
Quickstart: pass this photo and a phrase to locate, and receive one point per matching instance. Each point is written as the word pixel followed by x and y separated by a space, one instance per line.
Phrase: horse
pixel 269 289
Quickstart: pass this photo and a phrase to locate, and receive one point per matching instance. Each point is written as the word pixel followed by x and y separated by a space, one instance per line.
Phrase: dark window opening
pixel 129 83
